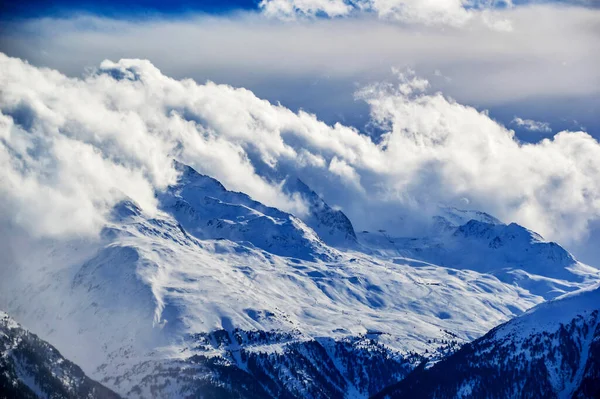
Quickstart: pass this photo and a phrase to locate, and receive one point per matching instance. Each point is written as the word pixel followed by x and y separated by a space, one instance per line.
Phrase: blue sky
pixel 124 9
pixel 121 9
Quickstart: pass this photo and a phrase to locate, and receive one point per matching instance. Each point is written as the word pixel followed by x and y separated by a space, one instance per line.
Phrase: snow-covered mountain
pixel 552 351
pixel 209 211
pixel 32 368
pixel 331 225
pixel 510 252
pixel 449 218
pixel 219 293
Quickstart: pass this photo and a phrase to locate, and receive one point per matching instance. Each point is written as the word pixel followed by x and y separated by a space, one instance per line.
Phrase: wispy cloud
pixel 433 12
pixel 531 125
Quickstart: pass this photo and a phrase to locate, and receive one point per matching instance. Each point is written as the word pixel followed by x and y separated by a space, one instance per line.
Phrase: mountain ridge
pixel 32 368
pixel 216 263
pixel 551 351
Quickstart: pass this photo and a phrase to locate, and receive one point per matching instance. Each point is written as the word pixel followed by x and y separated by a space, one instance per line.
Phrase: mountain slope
pixel 216 290
pixel 259 364
pixel 449 219
pixel 208 210
pixel 32 368
pixel 510 252
pixel 552 351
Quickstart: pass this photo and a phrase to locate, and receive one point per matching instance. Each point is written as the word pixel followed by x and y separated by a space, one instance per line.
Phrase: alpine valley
pixel 220 296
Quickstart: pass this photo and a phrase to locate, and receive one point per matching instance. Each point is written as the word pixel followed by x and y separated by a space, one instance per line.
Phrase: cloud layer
pixel 445 12
pixel 70 148
pixel 535 71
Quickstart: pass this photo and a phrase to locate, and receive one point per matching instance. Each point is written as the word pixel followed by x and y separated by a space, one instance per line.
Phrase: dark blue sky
pixel 115 8
pixel 112 8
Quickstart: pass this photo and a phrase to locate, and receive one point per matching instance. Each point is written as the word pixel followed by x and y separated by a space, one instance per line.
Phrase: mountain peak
pixel 189 176
pixel 332 225
pixel 207 210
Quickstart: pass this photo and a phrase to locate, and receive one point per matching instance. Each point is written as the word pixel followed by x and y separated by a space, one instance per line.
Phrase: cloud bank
pixel 71 148
pixel 542 70
pixel 445 12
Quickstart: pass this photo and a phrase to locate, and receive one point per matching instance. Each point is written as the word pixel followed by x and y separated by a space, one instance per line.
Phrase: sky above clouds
pixel 388 108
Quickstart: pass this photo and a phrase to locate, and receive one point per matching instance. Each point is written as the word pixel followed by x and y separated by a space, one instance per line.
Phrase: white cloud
pixel 345 172
pixel 291 9
pixel 445 12
pixel 315 63
pixel 70 148
pixel 534 126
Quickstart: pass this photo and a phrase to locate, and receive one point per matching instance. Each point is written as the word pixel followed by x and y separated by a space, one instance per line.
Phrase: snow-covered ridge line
pixel 553 350
pixel 32 368
pixel 214 261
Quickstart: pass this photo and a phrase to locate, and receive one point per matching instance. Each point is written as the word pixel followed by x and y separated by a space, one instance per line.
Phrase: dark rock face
pixel 290 368
pixel 516 360
pixel 32 368
pixel 590 382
